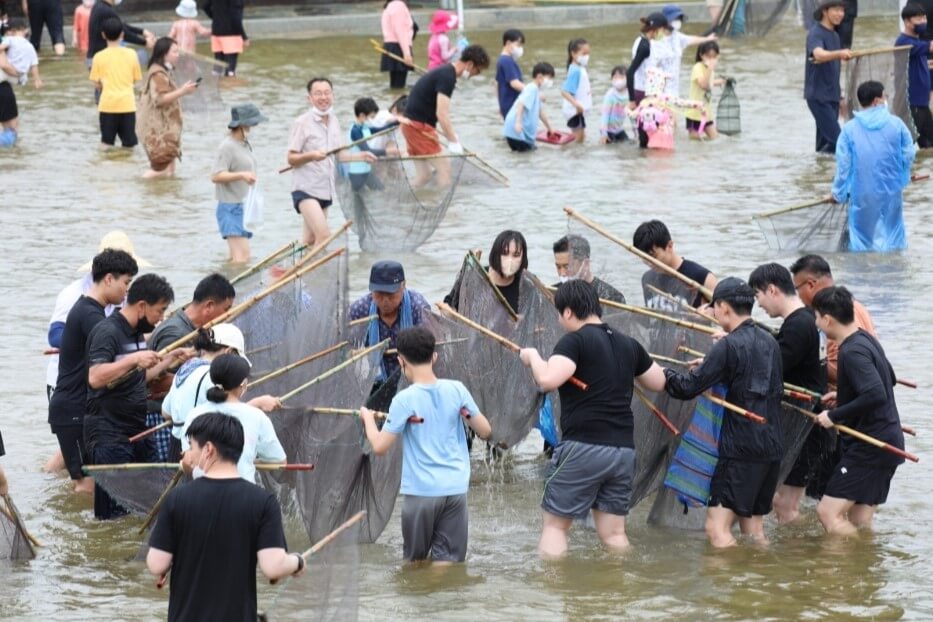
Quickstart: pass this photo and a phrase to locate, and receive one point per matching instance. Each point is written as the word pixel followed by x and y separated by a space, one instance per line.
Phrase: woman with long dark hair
pixel 398 33
pixel 158 118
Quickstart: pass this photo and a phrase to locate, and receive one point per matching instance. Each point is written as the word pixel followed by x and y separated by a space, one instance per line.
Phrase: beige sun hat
pixel 119 241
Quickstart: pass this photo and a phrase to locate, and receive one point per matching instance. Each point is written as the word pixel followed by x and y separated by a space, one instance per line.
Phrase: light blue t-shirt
pixel 530 101
pixel 259 439
pixel 189 389
pixel 436 462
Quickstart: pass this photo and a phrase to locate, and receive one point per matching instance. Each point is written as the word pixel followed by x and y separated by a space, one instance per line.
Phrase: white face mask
pixel 117 2
pixel 465 74
pixel 517 52
pixel 322 113
pixel 567 277
pixel 548 83
pixel 619 85
pixel 583 60
pixel 198 472
pixel 510 265
pixel 676 24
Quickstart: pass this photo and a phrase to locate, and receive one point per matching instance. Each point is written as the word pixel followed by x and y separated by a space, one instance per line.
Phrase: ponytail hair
pixel 228 371
pixel 573 46
pixel 204 342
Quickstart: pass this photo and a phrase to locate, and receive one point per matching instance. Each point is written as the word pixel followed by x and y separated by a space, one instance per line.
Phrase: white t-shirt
pixel 21 55
pixel 670 61
pixel 259 439
pixel 188 390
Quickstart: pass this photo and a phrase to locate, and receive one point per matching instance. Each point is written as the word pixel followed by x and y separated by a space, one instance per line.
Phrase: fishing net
pixel 817 228
pixel 135 489
pixel 728 112
pixel 889 67
pixel 750 18
pixel 206 98
pixel 329 591
pixel 14 543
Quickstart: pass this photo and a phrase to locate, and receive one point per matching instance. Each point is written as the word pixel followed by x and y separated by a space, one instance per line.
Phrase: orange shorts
pixel 422 139
pixel 232 44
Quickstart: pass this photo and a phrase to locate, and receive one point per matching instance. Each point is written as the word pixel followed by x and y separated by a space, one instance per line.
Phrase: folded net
pixel 193 67
pixel 136 489
pixel 750 18
pixel 14 543
pixel 819 228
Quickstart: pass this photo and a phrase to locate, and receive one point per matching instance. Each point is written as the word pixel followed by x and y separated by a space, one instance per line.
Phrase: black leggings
pixel 47 13
pixel 230 59
pixel 397 79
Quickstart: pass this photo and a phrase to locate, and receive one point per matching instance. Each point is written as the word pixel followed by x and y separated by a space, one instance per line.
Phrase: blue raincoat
pixel 874 154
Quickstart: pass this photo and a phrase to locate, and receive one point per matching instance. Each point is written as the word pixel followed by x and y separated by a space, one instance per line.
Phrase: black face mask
pixel 144 325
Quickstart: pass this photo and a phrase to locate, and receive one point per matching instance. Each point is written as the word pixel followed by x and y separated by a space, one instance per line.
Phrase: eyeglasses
pixel 799 286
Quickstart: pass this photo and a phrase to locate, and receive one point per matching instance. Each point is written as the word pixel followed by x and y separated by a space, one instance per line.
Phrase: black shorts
pixel 8 108
pixel 694 126
pixel 743 486
pixel 71 442
pixel 617 137
pixel 298 196
pixel 122 124
pixel 815 462
pixel 861 484
pixel 519 145
pixel 577 121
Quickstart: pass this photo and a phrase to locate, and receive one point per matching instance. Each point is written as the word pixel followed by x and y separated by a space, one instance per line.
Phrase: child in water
pixel 81 25
pixel 361 172
pixel 576 87
pixel 521 123
pixel 614 114
pixel 702 80
pixel 440 49
pixel 186 30
pixel 20 53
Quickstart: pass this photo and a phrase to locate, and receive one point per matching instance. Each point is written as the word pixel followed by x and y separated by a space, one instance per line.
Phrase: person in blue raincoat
pixel 874 154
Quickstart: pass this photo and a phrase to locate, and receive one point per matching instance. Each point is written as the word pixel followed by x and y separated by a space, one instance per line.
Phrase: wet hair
pixel 205 341
pixel 313 80
pixel 228 371
pixel 511 35
pixel 651 234
pixel 160 50
pixel 365 105
pixel 621 70
pixel 399 104
pixel 811 264
pixel 224 432
pixel 772 274
pixel 573 46
pixel 741 302
pixel 500 246
pixel 475 54
pixel 869 92
pixel 836 302
pixel 416 344
pixel 112 28
pixel 151 289
pixel 577 245
pixel 705 48
pixel 112 261
pixel 542 69
pixel 214 287
pixel 578 296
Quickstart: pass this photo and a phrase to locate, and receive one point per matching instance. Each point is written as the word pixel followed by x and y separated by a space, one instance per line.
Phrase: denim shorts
pixel 230 221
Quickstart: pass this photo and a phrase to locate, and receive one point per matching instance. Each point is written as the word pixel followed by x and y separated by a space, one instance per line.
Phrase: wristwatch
pixel 301 562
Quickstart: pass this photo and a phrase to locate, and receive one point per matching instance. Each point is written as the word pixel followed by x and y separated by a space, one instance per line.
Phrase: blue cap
pixel 672 12
pixel 386 277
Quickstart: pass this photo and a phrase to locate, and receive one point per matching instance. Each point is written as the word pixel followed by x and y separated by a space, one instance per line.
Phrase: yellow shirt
pixel 116 68
pixel 698 93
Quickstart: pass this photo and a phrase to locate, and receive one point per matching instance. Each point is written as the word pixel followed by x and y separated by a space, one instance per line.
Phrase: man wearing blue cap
pixel 391 308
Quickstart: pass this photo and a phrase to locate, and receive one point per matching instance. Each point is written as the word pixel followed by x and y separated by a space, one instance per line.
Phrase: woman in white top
pixel 229 374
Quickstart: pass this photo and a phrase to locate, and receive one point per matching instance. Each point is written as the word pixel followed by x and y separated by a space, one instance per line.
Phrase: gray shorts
pixel 434 528
pixel 582 477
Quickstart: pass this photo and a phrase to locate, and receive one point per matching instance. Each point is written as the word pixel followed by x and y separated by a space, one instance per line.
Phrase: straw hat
pixel 119 241
pixel 187 9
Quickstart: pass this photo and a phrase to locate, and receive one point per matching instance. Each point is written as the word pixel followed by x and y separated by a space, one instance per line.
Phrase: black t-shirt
pixel 511 291
pixel 422 100
pixel 113 415
pixel 214 528
pixel 608 362
pixel 865 398
pixel 69 400
pixel 821 80
pixel 799 339
pixel 696 272
pixel 101 12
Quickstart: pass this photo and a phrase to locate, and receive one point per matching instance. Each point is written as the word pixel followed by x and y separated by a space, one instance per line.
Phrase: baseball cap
pixel 733 289
pixel 230 336
pixel 655 20
pixel 672 12
pixel 386 277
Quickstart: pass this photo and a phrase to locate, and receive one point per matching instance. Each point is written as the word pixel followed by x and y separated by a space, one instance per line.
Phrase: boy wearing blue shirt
pixel 521 122
pixel 508 74
pixel 436 461
pixel 918 73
